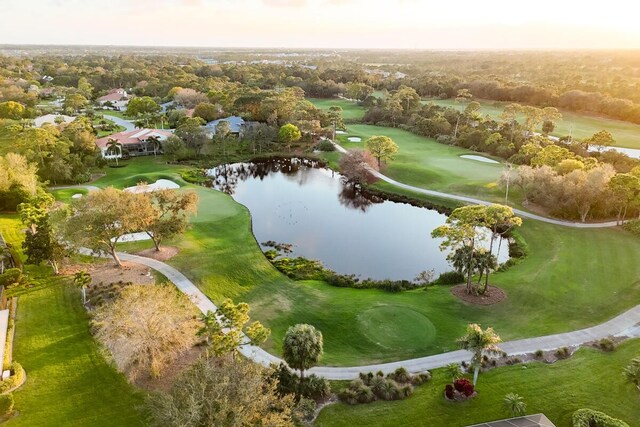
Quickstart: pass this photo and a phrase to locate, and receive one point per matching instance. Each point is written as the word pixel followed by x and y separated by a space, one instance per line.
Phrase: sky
pixel 403 24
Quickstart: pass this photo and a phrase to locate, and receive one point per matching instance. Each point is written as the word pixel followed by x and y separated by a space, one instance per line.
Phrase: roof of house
pixel 113 95
pixel 537 420
pixel 51 118
pixel 235 123
pixel 134 136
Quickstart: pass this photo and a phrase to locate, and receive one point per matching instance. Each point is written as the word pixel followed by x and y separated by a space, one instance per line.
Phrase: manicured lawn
pixel 64 195
pixel 590 379
pixel 423 162
pixel 350 110
pixel 69 382
pixel 579 125
pixel 555 289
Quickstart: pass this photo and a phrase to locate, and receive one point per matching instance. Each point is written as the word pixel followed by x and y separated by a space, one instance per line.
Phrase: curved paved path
pixel 623 325
pixel 481 202
pixel 126 124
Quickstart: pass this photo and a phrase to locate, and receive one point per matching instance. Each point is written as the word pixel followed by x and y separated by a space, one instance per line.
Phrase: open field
pixel 69 382
pixel 350 110
pixel 579 125
pixel 589 379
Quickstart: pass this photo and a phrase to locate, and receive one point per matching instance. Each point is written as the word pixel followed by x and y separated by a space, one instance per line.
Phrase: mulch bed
pixel 493 295
pixel 165 253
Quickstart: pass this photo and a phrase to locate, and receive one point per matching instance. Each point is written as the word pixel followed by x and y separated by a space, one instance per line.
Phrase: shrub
pixel 390 390
pixel 591 418
pixel 364 394
pixel 400 375
pixel 304 411
pixel 11 276
pixel 6 403
pixel 326 145
pixel 463 386
pixel 562 353
pixel 606 344
pixel 450 278
pixel 348 396
pixel 421 378
pixel 448 391
pixel 16 378
pixel 538 354
pixel 315 387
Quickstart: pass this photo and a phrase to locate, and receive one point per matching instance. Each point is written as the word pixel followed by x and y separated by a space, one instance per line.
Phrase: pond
pixel 298 202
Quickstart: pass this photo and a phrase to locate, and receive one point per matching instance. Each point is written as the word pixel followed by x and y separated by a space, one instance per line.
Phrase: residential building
pixel 134 142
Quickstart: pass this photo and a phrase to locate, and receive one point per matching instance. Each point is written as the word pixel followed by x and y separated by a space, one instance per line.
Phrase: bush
pixel 450 278
pixel 463 386
pixel 400 375
pixel 591 418
pixel 304 411
pixel 562 353
pixel 397 385
pixel 538 354
pixel 6 403
pixel 605 344
pixel 348 396
pixel 326 145
pixel 448 391
pixel 194 176
pixel 16 378
pixel 10 277
pixel 315 387
pixel 421 378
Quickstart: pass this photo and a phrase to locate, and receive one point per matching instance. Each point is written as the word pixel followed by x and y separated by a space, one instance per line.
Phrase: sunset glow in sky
pixel 411 24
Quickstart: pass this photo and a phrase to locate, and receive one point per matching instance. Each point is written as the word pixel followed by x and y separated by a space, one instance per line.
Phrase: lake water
pixel 297 202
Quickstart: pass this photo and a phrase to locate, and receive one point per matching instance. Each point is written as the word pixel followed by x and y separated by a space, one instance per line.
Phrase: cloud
pixel 285 3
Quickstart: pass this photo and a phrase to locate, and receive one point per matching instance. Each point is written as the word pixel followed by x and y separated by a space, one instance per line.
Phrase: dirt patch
pixel 493 295
pixel 165 253
pixel 172 372
pixel 130 272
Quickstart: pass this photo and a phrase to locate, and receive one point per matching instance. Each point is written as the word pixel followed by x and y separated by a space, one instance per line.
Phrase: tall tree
pixel 222 392
pixel 479 342
pixel 82 279
pixel 142 105
pixel 146 327
pixel 226 328
pixel 382 148
pixel 171 213
pixel 99 219
pixel 302 347
pixel 625 189
pixel 356 166
pixel 114 148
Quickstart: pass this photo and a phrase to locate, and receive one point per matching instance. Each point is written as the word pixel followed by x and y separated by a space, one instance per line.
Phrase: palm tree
pixel 632 372
pixel 82 279
pixel 515 404
pixel 114 146
pixel 155 144
pixel 485 261
pixel 465 261
pixel 479 342
pixel 453 370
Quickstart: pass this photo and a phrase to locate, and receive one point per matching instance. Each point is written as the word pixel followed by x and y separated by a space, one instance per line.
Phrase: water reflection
pixel 300 202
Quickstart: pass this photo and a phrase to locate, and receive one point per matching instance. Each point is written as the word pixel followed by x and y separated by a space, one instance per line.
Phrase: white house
pixel 116 99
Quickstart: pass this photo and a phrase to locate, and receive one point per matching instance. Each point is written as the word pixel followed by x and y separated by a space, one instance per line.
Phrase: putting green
pixel 395 327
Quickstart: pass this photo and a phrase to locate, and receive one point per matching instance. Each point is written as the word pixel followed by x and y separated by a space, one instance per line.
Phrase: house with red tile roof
pixel 134 142
pixel 116 98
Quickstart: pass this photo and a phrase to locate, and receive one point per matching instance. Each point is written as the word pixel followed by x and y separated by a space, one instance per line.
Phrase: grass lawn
pixel 64 195
pixel 589 379
pixel 350 110
pixel 69 381
pixel 423 162
pixel 579 125
pixel 559 289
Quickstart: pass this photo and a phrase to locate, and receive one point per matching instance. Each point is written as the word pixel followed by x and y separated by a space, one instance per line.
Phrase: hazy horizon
pixel 321 24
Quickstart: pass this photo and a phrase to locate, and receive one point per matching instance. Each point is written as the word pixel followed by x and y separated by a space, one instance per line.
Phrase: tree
pixel 98 220
pixel 515 404
pixel 499 219
pixel 172 210
pixel 189 98
pixel 114 148
pixel 142 105
pixel 288 134
pixel 207 111
pixel 453 370
pixel 382 148
pixel 479 342
pixel 302 347
pixel 222 392
pixel 191 133
pixel 547 127
pixel 625 189
pixel 11 110
pixel 84 87
pixel 601 140
pixel 358 91
pixel 356 166
pixel 632 372
pixel 225 330
pixel 335 118
pixel 82 279
pixel 75 102
pixel 585 188
pixel 460 233
pixel 42 243
pixel 146 327
pixel 154 142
